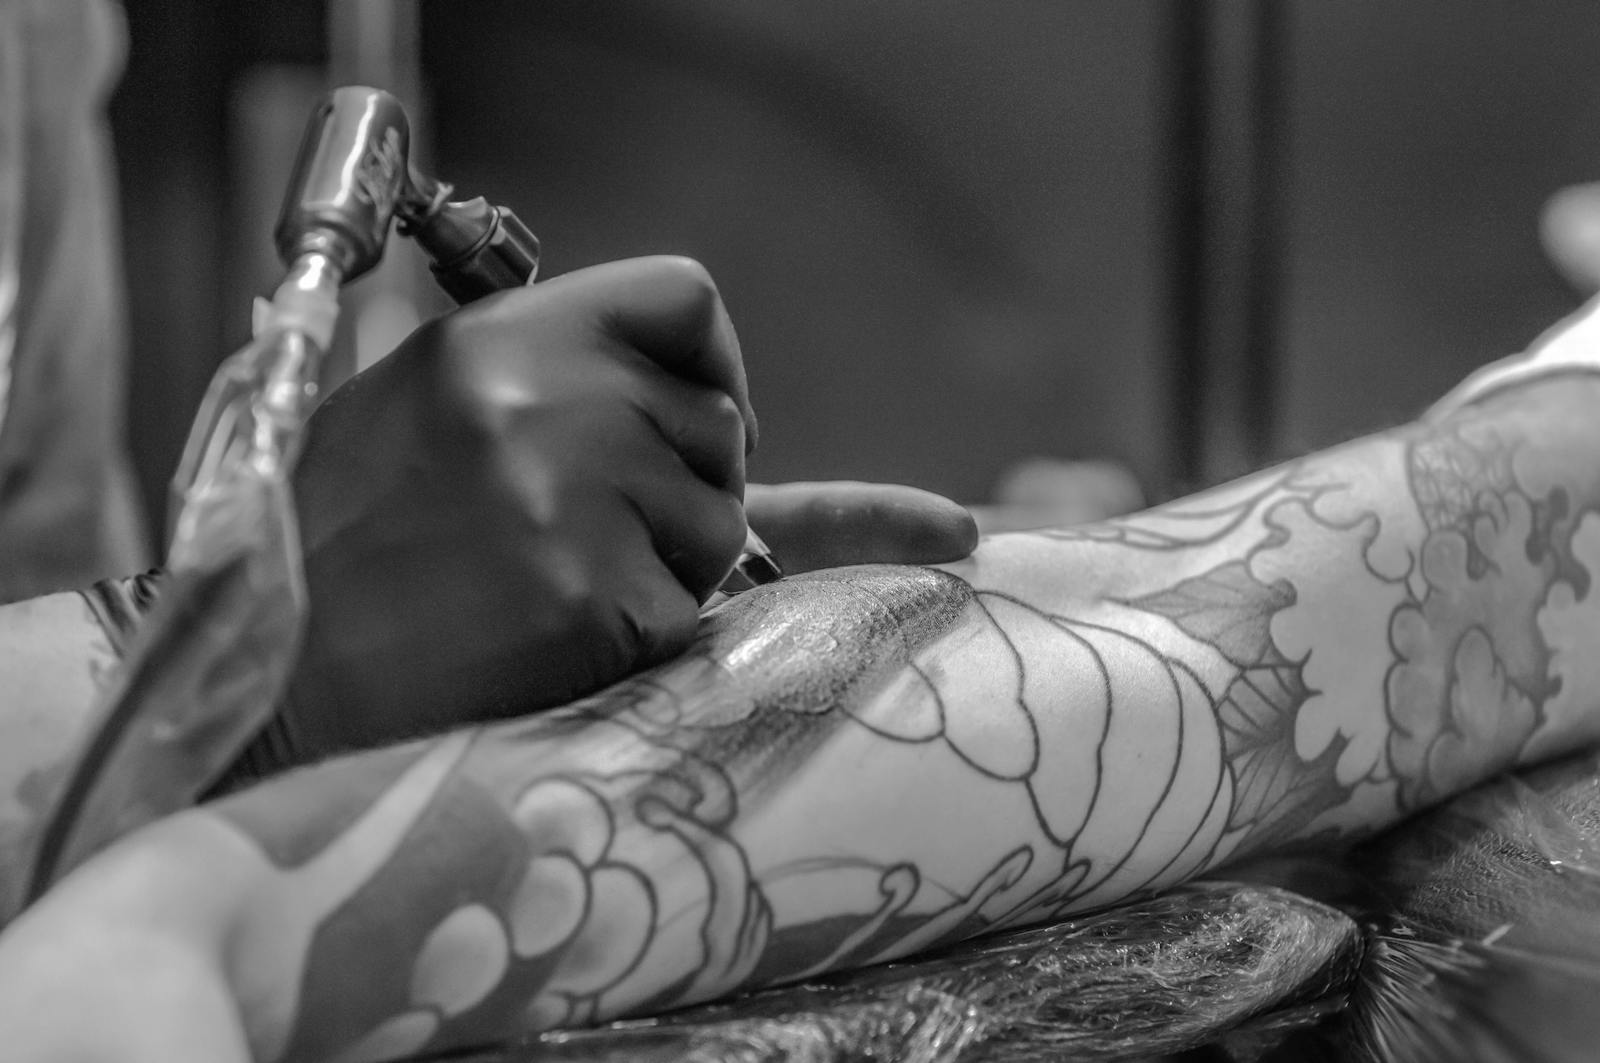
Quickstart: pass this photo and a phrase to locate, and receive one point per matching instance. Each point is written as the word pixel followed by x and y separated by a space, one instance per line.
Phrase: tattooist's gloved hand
pixel 527 500
pixel 531 497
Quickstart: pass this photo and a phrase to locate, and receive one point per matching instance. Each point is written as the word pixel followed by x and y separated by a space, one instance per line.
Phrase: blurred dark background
pixel 1188 235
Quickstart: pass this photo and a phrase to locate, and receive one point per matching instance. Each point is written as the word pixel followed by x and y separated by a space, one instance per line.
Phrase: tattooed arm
pixel 860 764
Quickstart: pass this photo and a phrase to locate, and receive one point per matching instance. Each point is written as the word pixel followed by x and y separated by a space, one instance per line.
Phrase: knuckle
pixel 689 272
pixel 690 282
pixel 725 530
pixel 700 563
pixel 569 600
pixel 662 619
pixel 677 616
pixel 456 333
pixel 476 416
pixel 462 386
pixel 723 419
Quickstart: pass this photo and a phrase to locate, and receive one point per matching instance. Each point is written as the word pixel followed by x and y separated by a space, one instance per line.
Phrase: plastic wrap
pixel 1479 942
pixel 1155 976
pixel 1485 928
pixel 211 660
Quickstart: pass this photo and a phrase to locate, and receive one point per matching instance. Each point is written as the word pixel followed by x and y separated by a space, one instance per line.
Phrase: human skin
pixel 864 763
pixel 57 655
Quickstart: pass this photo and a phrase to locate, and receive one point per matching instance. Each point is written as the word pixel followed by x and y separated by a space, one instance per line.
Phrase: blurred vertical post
pixel 378 43
pixel 12 163
pixel 1228 83
pixel 362 42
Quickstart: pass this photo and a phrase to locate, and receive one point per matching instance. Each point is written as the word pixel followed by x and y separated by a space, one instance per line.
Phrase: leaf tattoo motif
pixel 1227 608
pixel 1276 792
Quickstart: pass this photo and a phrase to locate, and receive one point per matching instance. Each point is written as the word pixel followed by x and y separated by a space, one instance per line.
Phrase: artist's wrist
pixel 120 604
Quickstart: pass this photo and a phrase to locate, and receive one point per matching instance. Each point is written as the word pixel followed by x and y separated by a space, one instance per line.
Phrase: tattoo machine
pixel 211 660
pixel 473 248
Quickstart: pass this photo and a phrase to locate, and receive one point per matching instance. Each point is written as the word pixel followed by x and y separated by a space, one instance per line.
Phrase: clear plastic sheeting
pixel 1155 976
pixel 1485 936
pixel 1478 942
pixel 212 659
pixel 12 167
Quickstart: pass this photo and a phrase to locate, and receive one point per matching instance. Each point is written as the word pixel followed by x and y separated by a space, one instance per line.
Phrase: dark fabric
pixel 68 514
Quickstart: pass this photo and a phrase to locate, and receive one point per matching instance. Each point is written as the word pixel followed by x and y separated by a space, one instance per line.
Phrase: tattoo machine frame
pixel 211 661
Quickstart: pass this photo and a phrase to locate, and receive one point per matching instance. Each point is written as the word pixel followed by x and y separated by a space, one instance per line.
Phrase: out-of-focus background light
pixel 1183 236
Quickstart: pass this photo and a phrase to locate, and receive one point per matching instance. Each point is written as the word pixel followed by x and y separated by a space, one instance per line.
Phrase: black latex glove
pixel 526 501
pixel 530 498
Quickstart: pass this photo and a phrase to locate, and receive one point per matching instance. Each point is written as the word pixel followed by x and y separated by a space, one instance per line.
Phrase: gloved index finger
pixel 668 308
pixel 819 525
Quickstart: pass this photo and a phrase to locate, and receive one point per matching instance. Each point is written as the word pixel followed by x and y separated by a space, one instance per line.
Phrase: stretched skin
pixel 858 764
